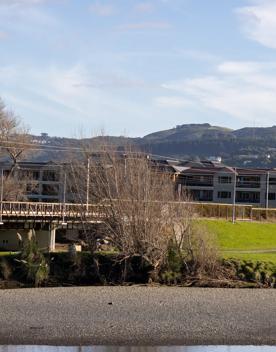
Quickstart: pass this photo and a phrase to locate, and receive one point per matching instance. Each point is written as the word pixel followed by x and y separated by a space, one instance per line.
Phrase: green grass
pixel 254 257
pixel 244 236
pixel 5 254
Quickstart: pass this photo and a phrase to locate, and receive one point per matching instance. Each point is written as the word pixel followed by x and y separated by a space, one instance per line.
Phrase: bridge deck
pixel 78 213
pixel 49 211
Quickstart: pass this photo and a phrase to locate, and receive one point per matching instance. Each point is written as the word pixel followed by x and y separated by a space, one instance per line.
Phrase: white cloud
pixel 24 18
pixel 199 55
pixel 237 67
pixel 145 26
pixel 56 99
pixel 259 22
pixel 241 90
pixel 3 35
pixel 102 9
pixel 20 2
pixel 144 7
pixel 171 102
pixel 111 81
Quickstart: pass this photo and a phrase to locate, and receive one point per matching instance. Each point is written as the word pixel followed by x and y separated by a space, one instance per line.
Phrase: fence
pixel 242 212
pixel 80 212
pixel 48 211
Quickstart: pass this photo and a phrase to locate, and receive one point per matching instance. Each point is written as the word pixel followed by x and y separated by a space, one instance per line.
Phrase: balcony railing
pixel 248 184
pixel 250 201
pixel 198 184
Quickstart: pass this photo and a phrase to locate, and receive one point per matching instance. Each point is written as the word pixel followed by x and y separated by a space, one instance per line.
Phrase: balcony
pixel 202 195
pixel 248 197
pixel 248 182
pixel 248 185
pixel 197 181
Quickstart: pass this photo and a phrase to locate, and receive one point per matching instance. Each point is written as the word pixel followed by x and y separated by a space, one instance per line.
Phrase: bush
pixel 34 266
pixel 6 270
pixel 263 273
pixel 98 268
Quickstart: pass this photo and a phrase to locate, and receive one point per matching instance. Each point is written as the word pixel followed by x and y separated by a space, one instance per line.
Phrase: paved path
pixel 249 251
pixel 137 316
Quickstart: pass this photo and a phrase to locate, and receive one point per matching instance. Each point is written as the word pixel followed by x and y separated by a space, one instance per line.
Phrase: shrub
pixel 35 268
pixel 5 269
pixel 263 273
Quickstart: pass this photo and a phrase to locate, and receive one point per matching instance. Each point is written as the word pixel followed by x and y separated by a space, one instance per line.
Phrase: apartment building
pixel 206 181
pixel 214 182
pixel 44 180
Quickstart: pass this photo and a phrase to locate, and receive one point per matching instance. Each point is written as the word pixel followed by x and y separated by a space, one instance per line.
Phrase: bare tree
pixel 14 136
pixel 14 145
pixel 136 202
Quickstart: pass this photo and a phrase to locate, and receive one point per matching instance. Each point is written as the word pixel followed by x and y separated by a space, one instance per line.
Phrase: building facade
pixel 43 182
pixel 205 181
pixel 212 182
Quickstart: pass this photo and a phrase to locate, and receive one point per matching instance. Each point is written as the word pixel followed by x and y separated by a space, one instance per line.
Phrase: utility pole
pixel 267 190
pixel 125 164
pixel 234 197
pixel 87 183
pixel 1 197
pixel 64 223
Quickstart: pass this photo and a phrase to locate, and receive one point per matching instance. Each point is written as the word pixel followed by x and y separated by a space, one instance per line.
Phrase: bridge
pixel 18 218
pixel 73 214
pixel 46 218
pixel 66 213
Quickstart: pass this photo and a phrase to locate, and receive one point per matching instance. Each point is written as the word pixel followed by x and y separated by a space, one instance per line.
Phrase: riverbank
pixel 137 315
pixel 110 268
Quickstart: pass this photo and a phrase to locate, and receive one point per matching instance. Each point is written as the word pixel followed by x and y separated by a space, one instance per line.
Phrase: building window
pixel 36 175
pixel 224 195
pixel 202 195
pixel 248 181
pixel 271 196
pixel 32 188
pixel 248 197
pixel 50 175
pixel 197 180
pixel 50 190
pixel 272 181
pixel 225 179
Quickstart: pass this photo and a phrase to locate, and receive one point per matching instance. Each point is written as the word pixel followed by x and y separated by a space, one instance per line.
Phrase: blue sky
pixel 130 67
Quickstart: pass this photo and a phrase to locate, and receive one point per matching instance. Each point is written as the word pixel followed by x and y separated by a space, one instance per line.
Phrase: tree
pixel 14 136
pixel 136 202
pixel 14 145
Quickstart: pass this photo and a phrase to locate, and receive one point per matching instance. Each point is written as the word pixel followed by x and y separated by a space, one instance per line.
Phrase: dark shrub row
pixel 263 273
pixel 112 268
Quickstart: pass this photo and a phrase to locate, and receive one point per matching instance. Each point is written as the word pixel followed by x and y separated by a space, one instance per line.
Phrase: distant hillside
pixel 189 133
pixel 252 147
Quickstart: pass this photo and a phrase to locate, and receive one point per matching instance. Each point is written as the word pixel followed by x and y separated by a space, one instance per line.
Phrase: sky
pixel 128 67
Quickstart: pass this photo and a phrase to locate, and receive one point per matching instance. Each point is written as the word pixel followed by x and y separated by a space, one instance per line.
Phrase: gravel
pixel 137 315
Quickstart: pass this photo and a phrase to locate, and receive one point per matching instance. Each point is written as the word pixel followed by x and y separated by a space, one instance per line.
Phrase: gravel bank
pixel 137 316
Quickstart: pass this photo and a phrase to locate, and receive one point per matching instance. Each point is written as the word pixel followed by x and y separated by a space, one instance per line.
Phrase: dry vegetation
pixel 139 212
pixel 14 141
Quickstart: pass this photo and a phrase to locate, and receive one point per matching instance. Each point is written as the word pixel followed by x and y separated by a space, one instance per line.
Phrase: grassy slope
pixel 5 254
pixel 244 236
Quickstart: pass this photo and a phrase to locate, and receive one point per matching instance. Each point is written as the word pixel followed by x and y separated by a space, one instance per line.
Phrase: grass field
pixel 252 237
pixel 4 254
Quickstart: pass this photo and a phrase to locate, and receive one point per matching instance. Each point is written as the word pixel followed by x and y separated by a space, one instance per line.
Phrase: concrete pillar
pixel 52 231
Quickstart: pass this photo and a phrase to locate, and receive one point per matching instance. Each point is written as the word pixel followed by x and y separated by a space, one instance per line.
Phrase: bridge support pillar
pixel 52 231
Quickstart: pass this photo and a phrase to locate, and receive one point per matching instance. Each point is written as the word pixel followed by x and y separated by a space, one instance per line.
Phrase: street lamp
pixel 1 197
pixel 87 183
pixel 234 197
pixel 267 190
pixel 64 223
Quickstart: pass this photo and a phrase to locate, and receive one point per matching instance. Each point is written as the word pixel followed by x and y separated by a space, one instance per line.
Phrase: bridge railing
pixel 32 209
pixel 79 212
